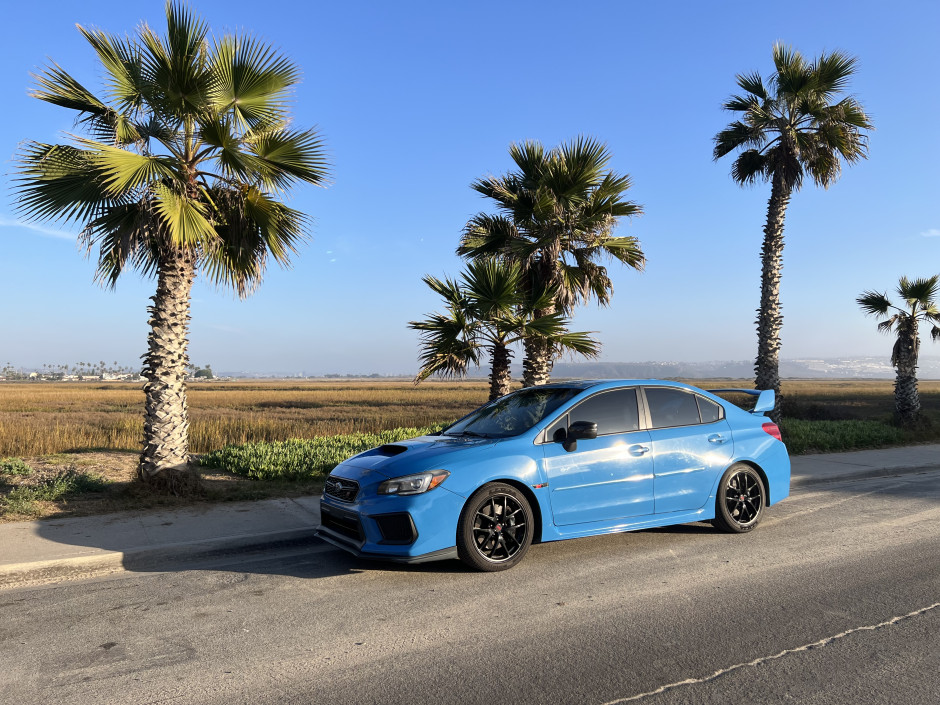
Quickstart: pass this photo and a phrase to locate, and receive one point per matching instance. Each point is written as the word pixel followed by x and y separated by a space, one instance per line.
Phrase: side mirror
pixel 579 429
pixel 582 429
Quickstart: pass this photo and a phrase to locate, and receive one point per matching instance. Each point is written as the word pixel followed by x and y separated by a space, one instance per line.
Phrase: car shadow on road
pixel 310 558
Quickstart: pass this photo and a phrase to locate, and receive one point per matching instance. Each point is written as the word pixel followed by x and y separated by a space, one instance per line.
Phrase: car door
pixel 604 478
pixel 692 446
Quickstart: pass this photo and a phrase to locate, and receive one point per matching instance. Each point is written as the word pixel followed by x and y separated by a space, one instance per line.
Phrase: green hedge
pixel 303 458
pixel 832 436
pixel 311 458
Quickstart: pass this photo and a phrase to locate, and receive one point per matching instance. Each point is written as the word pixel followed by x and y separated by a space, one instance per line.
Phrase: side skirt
pixel 650 521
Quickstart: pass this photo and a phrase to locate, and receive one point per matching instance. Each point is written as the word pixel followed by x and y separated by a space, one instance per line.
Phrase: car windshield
pixel 512 414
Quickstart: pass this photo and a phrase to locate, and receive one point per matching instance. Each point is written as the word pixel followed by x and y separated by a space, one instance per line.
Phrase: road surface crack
pixel 786 652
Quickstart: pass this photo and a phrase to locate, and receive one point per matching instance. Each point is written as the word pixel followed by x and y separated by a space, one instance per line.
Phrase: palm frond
pixel 919 293
pixel 177 65
pixel 185 219
pixel 286 156
pixel 750 167
pixel 250 80
pixel 60 182
pixel 492 287
pixel 448 345
pixel 123 170
pixel 738 135
pixel 448 289
pixel 57 86
pixel 874 303
pixel 832 72
pixel 124 70
pixel 754 85
pixel 123 233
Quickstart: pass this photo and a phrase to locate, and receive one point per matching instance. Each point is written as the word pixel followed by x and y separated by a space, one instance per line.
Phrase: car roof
pixel 590 383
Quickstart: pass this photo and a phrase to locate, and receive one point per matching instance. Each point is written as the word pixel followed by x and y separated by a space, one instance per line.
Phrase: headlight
pixel 414 484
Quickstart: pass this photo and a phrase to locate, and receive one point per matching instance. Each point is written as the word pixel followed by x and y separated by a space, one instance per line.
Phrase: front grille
pixel 342 524
pixel 341 488
pixel 396 528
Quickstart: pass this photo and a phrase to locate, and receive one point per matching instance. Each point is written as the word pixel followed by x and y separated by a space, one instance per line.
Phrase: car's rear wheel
pixel 495 528
pixel 739 505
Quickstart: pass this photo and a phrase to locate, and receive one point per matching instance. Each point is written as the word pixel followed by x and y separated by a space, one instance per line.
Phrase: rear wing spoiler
pixel 765 398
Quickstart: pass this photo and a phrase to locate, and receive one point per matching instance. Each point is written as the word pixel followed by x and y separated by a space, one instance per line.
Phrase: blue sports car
pixel 559 461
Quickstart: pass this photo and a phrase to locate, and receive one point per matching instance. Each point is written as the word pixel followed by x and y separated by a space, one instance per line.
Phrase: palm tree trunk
pixel 906 396
pixel 164 462
pixel 539 353
pixel 500 379
pixel 769 315
pixel 539 360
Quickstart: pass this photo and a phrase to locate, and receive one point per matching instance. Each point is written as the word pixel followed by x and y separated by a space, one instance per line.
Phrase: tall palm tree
pixel 180 169
pixel 920 304
pixel 487 311
pixel 556 212
pixel 795 125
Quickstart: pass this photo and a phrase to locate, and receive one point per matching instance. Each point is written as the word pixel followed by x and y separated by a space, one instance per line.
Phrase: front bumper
pixel 346 544
pixel 410 529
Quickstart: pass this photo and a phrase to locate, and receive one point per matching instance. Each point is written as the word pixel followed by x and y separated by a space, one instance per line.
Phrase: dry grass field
pixel 42 418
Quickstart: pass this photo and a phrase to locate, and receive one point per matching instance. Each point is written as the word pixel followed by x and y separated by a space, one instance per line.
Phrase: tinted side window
pixel 613 412
pixel 709 410
pixel 671 407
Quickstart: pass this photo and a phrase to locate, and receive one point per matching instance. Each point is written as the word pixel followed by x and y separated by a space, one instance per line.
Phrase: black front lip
pixel 352 547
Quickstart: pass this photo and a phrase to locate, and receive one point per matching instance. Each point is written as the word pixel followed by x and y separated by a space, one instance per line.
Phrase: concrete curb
pixel 866 474
pixel 147 559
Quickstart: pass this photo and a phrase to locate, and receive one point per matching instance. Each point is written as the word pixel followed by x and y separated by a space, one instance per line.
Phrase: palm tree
pixel 795 125
pixel 180 170
pixel 920 304
pixel 556 214
pixel 488 312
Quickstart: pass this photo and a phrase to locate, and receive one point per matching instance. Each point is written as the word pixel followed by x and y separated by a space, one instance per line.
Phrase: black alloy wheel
pixel 740 501
pixel 495 528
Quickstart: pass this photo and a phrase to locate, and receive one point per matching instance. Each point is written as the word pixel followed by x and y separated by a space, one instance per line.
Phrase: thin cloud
pixel 933 232
pixel 48 232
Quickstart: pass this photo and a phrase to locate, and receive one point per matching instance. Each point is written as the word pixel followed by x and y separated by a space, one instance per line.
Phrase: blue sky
pixel 417 99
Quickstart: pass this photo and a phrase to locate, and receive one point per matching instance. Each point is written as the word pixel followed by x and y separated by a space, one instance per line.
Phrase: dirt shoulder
pixel 101 482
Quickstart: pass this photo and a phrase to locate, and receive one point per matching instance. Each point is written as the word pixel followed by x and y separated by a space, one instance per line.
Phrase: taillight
pixel 772 429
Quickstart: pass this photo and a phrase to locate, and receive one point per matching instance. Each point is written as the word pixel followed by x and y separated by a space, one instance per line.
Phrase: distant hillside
pixel 823 368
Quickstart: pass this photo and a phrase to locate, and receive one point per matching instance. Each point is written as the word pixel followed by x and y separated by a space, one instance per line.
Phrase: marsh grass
pixel 45 418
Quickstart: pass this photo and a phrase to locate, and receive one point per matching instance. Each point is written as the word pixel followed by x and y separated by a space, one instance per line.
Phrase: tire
pixel 741 499
pixel 485 539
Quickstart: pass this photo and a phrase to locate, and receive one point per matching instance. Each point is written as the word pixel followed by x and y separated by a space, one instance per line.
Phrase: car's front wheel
pixel 495 528
pixel 739 505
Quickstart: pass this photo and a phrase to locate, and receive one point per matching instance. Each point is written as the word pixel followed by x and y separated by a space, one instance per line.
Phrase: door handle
pixel 716 438
pixel 638 450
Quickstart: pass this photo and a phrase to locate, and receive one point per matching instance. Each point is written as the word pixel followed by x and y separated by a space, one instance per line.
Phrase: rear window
pixel 709 410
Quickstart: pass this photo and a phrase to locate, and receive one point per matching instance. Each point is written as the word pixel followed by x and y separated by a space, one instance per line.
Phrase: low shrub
pixel 803 436
pixel 14 466
pixel 303 458
pixel 62 485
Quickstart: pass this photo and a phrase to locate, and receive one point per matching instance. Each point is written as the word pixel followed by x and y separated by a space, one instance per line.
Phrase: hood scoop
pixel 390 450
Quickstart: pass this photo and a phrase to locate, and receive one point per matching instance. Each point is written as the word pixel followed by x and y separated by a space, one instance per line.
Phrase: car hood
pixel 413 456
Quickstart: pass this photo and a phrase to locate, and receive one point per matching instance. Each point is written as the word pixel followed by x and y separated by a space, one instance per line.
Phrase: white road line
pixel 758 661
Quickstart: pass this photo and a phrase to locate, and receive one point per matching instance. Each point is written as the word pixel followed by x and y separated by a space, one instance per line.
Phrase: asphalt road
pixel 835 598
